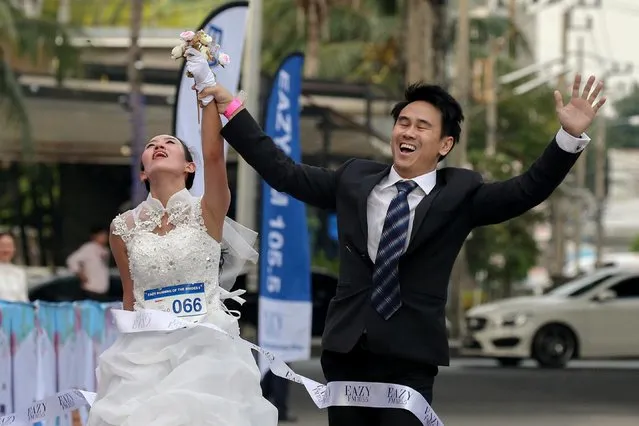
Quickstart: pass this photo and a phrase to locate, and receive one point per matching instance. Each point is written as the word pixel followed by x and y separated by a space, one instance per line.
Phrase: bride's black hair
pixel 223 255
pixel 189 158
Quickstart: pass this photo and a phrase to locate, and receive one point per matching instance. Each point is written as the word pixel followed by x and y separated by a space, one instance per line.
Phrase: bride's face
pixel 166 154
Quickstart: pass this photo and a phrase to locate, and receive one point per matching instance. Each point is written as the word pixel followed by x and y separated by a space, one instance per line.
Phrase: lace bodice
pixel 182 253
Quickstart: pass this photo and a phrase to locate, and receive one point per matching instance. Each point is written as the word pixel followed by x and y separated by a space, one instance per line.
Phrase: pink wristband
pixel 232 107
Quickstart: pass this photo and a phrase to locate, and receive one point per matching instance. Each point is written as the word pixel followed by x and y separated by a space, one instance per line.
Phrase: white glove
pixel 198 66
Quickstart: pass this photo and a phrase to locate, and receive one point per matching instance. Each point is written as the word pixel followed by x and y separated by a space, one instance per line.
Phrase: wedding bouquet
pixel 203 43
pixel 199 49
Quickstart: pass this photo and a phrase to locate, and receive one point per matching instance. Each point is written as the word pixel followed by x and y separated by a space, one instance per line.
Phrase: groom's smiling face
pixel 417 141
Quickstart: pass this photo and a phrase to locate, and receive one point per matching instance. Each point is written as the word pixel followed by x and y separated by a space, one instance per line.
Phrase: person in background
pixel 13 278
pixel 90 263
pixel 275 389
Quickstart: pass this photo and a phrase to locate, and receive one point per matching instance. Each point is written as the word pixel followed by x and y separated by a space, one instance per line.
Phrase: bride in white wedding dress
pixel 168 251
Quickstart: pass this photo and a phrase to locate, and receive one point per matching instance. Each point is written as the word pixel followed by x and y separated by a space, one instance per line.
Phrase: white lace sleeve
pixel 237 248
pixel 123 225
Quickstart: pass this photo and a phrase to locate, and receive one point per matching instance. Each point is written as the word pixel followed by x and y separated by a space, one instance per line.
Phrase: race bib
pixel 186 301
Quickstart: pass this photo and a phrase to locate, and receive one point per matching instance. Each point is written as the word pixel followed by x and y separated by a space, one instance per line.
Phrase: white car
pixel 596 316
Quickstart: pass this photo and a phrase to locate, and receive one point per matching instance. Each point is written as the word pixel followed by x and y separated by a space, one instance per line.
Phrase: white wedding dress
pixel 188 377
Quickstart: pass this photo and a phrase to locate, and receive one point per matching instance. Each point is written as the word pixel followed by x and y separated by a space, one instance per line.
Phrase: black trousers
pixel 363 366
pixel 275 389
pixel 98 297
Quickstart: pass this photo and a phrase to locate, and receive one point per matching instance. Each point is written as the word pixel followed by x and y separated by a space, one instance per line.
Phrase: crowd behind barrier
pixel 46 348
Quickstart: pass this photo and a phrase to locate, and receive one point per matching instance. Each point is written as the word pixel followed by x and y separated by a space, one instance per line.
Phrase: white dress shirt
pixel 383 193
pixel 13 283
pixel 92 259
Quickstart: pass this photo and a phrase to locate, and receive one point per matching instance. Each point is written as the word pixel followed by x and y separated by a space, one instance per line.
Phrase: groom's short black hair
pixel 437 96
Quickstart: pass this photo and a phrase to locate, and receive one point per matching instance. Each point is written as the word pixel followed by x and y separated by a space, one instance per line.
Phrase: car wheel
pixel 509 362
pixel 553 346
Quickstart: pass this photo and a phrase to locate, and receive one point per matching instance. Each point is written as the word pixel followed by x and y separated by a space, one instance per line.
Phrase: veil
pixel 237 248
pixel 238 242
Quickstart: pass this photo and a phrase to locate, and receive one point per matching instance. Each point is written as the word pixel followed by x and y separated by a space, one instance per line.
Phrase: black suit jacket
pixel 459 202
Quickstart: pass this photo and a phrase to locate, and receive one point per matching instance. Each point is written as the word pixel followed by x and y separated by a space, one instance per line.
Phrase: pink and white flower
pixel 187 35
pixel 178 51
pixel 206 39
pixel 224 59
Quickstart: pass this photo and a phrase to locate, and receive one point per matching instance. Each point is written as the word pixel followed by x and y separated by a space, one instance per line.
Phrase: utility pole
pixel 461 84
pixel 64 12
pixel 566 19
pixel 413 41
pixel 246 177
pixel 581 165
pixel 557 214
pixel 491 94
pixel 460 280
pixel 246 195
pixel 419 18
pixel 600 167
pixel 440 41
pixel 580 171
pixel 512 26
pixel 136 102
pixel 600 186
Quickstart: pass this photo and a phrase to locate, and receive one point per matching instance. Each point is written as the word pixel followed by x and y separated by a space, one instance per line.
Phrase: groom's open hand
pixel 578 114
pixel 221 94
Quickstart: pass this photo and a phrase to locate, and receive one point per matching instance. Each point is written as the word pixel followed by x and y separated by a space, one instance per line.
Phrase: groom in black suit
pixel 400 230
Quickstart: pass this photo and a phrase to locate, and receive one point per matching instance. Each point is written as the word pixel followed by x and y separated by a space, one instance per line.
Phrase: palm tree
pixel 35 39
pixel 316 15
pixel 350 41
pixel 135 100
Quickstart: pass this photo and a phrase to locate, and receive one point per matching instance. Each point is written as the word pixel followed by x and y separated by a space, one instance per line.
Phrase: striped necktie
pixel 386 297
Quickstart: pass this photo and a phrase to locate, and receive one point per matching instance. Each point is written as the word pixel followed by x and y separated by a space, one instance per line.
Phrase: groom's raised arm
pixel 499 201
pixel 312 185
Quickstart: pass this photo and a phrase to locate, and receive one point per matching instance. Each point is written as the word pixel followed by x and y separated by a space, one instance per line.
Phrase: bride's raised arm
pixel 217 195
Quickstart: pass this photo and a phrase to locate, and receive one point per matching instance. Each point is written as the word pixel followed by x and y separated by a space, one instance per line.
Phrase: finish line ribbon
pixel 49 408
pixel 333 394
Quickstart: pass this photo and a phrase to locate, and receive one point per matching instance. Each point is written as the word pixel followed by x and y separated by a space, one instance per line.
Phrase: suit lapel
pixel 422 209
pixel 367 185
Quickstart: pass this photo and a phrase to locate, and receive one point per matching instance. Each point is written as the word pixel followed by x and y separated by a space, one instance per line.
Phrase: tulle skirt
pixel 187 377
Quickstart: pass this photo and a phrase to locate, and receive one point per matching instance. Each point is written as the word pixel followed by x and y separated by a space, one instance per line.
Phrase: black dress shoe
pixel 287 419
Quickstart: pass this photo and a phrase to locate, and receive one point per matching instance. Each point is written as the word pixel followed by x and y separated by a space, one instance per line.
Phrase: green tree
pixel 502 254
pixel 355 44
pixel 32 39
pixel 30 190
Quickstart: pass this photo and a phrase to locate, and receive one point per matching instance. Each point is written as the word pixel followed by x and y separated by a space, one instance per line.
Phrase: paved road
pixel 475 392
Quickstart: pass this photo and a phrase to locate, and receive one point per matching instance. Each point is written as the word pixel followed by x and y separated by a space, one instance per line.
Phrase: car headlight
pixel 514 320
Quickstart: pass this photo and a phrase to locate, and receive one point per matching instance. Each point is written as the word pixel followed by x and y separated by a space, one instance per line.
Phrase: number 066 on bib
pixel 182 300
